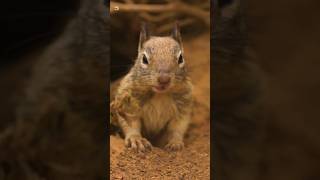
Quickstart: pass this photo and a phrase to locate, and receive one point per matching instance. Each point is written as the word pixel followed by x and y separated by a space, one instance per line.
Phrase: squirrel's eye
pixel 145 60
pixel 180 59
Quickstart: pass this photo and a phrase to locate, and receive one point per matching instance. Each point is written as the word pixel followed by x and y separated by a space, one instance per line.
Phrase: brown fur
pixel 141 111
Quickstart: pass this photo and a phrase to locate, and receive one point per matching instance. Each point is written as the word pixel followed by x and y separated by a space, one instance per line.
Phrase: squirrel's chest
pixel 157 112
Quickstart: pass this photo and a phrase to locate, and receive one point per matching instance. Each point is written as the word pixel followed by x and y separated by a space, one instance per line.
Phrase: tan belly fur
pixel 157 112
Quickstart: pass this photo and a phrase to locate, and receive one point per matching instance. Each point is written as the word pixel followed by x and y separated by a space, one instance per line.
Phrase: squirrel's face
pixel 160 62
pixel 162 58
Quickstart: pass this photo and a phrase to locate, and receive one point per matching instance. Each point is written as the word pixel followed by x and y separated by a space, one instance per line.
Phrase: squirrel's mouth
pixel 160 88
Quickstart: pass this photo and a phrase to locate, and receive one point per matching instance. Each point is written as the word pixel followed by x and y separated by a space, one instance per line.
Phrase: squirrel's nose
pixel 164 79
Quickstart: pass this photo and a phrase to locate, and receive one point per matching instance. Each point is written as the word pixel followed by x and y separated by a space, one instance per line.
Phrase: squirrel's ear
pixel 144 34
pixel 176 33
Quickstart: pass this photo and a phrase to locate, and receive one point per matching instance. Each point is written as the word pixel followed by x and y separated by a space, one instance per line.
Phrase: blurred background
pixel 285 36
pixel 27 28
pixel 160 16
pixel 30 144
pixel 26 24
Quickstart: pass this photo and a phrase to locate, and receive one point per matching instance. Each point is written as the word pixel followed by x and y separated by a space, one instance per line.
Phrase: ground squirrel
pixel 154 100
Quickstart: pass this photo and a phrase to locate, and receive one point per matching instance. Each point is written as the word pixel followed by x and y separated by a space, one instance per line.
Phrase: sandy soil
pixel 193 162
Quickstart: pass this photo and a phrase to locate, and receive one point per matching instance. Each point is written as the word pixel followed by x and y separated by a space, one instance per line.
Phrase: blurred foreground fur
pixel 238 125
pixel 59 130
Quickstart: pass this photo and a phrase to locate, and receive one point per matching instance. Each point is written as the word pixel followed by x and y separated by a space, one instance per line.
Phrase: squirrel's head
pixel 160 61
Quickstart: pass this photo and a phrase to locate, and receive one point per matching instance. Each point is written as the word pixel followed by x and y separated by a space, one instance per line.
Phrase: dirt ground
pixel 193 162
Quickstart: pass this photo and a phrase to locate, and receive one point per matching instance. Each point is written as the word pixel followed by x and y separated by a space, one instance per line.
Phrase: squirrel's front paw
pixel 175 145
pixel 138 143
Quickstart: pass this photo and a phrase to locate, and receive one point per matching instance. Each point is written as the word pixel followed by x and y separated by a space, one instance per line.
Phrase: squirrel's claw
pixel 138 143
pixel 175 146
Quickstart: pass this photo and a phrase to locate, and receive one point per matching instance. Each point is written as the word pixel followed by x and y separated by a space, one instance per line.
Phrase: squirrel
pixel 154 100
pixel 59 116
